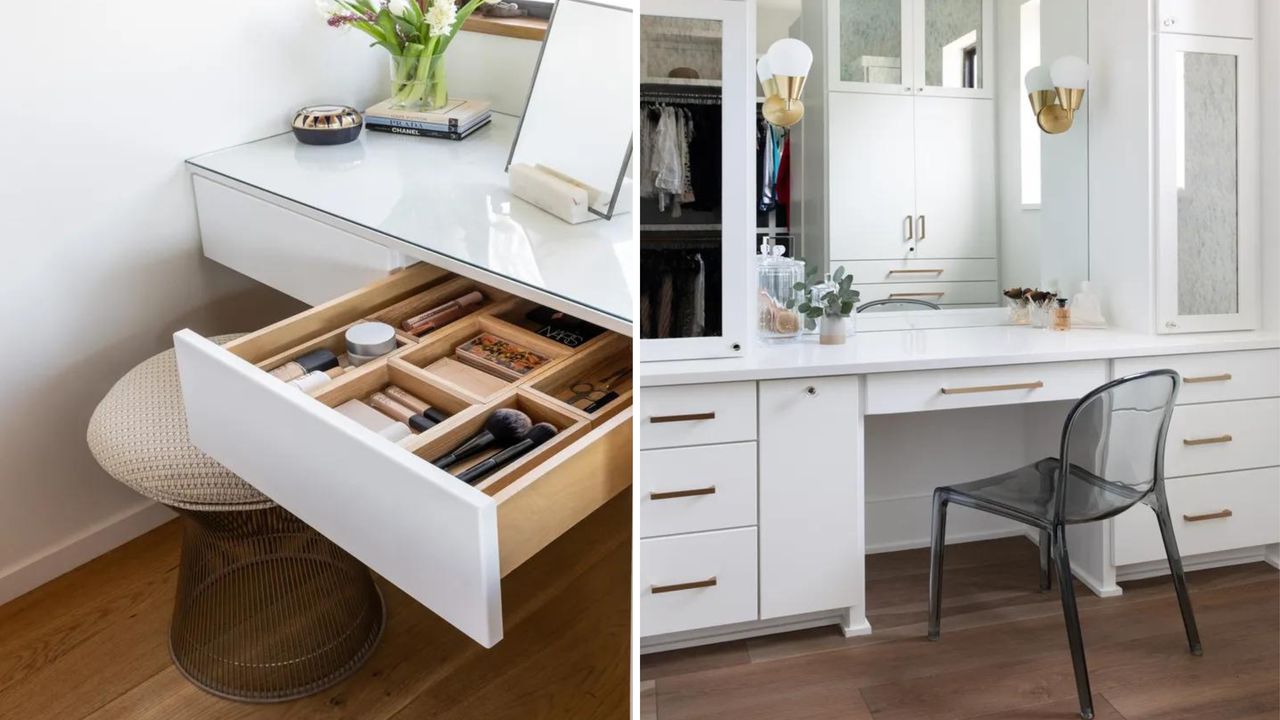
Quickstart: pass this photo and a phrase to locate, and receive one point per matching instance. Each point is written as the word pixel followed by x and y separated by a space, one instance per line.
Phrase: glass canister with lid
pixel 776 294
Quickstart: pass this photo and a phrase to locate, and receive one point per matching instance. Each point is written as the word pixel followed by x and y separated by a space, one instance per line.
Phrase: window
pixel 1029 56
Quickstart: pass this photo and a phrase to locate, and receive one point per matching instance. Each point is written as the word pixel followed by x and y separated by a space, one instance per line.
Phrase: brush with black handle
pixel 503 428
pixel 537 435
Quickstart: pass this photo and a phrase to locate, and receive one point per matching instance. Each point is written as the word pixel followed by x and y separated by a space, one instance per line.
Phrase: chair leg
pixel 1179 578
pixel 935 562
pixel 1046 545
pixel 1072 616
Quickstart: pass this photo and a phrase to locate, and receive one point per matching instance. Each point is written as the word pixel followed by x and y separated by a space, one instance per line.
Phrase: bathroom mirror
pixel 577 120
pixel 939 186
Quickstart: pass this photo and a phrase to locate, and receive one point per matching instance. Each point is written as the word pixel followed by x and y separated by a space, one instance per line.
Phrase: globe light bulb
pixel 1070 71
pixel 1038 79
pixel 765 73
pixel 790 57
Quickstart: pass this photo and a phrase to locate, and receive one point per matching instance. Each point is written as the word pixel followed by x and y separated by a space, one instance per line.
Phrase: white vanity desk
pixel 316 222
pixel 776 473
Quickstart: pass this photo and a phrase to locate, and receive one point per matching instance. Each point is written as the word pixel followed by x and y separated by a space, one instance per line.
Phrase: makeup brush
pixel 503 428
pixel 537 435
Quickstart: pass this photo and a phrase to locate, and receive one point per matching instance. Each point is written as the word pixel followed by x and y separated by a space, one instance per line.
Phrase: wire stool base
pixel 268 609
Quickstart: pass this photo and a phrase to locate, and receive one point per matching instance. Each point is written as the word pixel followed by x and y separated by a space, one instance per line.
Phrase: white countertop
pixel 896 350
pixel 428 198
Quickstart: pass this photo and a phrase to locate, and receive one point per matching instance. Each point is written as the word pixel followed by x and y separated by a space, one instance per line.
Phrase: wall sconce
pixel 782 73
pixel 1057 91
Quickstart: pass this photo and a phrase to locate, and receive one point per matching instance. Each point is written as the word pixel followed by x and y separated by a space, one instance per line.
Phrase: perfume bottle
pixel 1062 315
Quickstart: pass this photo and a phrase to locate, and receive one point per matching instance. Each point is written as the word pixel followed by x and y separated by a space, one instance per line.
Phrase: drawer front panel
pixel 939 293
pixel 1227 18
pixel 696 581
pixel 697 415
pixel 1214 377
pixel 977 387
pixel 867 272
pixel 697 488
pixel 1252 497
pixel 1216 437
pixel 251 237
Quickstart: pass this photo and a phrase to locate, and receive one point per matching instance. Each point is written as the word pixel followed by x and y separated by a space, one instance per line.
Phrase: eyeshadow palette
pixel 500 357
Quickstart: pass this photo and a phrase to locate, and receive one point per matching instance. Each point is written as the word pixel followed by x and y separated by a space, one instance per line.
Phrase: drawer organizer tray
pixel 444 542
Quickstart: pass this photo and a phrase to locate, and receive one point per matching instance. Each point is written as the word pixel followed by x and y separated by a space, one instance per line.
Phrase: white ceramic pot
pixel 832 330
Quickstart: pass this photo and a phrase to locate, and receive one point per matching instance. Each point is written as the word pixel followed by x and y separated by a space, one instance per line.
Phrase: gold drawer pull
pixel 993 388
pixel 682 418
pixel 1208 378
pixel 682 493
pixel 1208 516
pixel 1208 441
pixel 659 589
pixel 921 270
pixel 919 294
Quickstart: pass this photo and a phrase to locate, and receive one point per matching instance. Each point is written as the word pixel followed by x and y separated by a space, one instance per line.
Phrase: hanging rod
pixel 678 99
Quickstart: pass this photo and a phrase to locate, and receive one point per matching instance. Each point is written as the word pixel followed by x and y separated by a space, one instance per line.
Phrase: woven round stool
pixel 267 609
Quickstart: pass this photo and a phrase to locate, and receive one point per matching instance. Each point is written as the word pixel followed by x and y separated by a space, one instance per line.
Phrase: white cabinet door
pixel 1227 18
pixel 1207 184
pixel 955 178
pixel 953 43
pixel 872 183
pixel 811 532
pixel 870 45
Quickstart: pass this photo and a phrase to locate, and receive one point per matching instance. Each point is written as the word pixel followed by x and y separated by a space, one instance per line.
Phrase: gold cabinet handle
pixel 1207 441
pixel 673 494
pixel 907 222
pixel 690 417
pixel 1208 378
pixel 930 271
pixel 659 589
pixel 921 231
pixel 919 294
pixel 1209 516
pixel 993 388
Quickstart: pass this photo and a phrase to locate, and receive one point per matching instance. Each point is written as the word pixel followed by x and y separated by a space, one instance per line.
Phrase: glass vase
pixel 418 82
pixel 1019 311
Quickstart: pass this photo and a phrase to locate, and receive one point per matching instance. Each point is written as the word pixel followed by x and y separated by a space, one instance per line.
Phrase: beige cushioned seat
pixel 138 434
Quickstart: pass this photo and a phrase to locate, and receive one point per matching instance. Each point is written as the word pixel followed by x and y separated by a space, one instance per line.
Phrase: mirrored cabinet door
pixel 870 45
pixel 1207 204
pixel 691 166
pixel 952 48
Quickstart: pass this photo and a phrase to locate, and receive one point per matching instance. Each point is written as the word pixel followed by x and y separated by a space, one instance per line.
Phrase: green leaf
pixel 810 324
pixel 839 273
pixel 388 26
pixel 846 307
pixel 828 295
pixel 804 306
pixel 799 287
pixel 846 282
pixel 815 312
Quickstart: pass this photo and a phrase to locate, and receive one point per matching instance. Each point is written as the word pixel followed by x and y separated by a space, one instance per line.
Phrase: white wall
pixel 492 67
pixel 1269 65
pixel 1019 226
pixel 1064 159
pixel 773 22
pixel 101 243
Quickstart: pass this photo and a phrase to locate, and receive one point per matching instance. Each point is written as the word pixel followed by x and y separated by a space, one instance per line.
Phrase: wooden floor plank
pixel 1003 653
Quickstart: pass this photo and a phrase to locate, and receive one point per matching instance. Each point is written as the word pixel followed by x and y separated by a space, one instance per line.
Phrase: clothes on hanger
pixel 680 156
pixel 771 147
pixel 678 297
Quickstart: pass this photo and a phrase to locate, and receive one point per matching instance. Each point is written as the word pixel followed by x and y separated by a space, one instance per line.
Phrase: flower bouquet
pixel 416 33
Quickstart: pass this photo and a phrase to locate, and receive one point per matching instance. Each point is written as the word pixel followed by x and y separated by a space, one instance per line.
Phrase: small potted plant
pixel 828 304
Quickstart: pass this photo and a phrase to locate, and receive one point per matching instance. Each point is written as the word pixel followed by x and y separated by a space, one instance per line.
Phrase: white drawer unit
pixel 939 293
pixel 301 257
pixel 866 272
pixel 697 414
pixel 696 581
pixel 444 542
pixel 1215 377
pixel 922 390
pixel 1217 437
pixel 709 487
pixel 1210 513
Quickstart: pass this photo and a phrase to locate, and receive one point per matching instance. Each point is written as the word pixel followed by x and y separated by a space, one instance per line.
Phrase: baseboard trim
pixel 30 573
pixel 952 539
pixel 755 628
pixel 1222 558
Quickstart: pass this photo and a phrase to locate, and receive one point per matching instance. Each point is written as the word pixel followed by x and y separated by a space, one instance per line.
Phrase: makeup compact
pixel 369 341
pixel 500 357
pixel 314 361
pixel 562 327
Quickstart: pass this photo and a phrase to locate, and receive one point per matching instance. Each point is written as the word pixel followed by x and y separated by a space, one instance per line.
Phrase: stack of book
pixel 455 121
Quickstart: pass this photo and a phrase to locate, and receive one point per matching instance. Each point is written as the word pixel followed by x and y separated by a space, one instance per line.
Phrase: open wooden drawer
pixel 444 542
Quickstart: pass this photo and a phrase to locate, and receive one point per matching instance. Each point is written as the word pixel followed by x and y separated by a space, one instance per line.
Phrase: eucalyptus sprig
pixel 833 303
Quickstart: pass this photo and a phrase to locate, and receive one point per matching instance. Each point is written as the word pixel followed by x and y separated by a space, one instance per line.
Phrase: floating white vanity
pixel 766 479
pixel 381 229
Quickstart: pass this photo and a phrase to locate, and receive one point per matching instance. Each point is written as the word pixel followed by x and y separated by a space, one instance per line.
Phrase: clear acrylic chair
pixel 1113 442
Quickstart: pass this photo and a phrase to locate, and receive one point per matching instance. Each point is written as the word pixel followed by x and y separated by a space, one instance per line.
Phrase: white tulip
pixel 441 17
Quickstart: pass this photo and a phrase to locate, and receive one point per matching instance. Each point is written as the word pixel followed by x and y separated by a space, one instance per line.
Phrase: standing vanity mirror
pixel 576 127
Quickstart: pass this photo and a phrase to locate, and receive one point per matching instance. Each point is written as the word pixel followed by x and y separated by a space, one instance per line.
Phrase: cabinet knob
pixel 1168 22
pixel 736 347
pixel 811 390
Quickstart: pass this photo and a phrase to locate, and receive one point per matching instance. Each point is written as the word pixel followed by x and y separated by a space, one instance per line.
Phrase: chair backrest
pixel 896 304
pixel 1113 446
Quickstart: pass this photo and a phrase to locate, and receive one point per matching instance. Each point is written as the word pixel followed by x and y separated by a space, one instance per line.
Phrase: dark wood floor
pixel 92 644
pixel 1003 653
